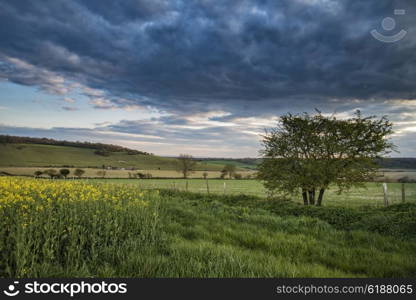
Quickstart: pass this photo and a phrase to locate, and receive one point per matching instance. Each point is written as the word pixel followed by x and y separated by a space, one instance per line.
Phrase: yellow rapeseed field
pixel 53 223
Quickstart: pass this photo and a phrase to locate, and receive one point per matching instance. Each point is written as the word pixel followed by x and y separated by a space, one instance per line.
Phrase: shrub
pixel 79 172
pixel 64 172
pixel 38 173
pixel 52 173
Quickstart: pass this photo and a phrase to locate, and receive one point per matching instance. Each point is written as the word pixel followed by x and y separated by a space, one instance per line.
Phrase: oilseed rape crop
pixel 51 226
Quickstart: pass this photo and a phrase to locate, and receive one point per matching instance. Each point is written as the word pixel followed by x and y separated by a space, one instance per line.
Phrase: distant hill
pixel 48 154
pixel 251 163
pixel 398 163
pixel 103 148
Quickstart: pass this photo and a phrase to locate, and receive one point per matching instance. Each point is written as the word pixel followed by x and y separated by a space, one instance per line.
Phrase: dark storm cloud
pixel 246 57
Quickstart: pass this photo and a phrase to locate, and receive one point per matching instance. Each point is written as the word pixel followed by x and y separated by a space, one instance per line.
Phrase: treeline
pixel 384 163
pixel 101 149
pixel 397 163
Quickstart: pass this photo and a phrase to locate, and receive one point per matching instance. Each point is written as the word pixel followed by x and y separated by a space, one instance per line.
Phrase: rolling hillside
pixel 37 155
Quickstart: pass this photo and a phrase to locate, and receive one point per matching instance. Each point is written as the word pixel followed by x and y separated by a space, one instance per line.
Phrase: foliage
pixel 64 172
pixel 186 164
pixel 308 153
pixel 79 172
pixel 38 173
pixel 52 173
pixel 229 169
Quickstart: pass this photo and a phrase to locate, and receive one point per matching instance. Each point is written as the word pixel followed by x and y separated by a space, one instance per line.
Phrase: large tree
pixel 307 153
pixel 229 169
pixel 185 164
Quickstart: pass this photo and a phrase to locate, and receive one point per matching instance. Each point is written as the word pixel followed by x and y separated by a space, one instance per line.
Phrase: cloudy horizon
pixel 201 77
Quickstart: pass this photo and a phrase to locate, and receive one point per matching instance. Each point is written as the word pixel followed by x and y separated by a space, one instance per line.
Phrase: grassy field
pixel 36 155
pixel 238 164
pixel 65 228
pixel 371 195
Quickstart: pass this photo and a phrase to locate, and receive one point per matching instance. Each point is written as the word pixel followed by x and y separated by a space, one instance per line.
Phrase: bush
pixel 38 173
pixel 64 172
pixel 79 172
pixel 52 173
pixel 144 176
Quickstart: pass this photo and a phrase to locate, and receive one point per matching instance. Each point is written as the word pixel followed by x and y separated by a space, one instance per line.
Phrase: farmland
pixel 124 174
pixel 37 155
pixel 63 228
pixel 110 223
pixel 371 195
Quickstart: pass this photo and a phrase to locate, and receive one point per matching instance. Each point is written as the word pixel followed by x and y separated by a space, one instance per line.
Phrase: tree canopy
pixel 185 164
pixel 307 153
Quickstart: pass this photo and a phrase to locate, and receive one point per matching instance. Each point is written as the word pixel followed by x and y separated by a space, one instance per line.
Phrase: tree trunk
pixel 320 197
pixel 312 197
pixel 305 197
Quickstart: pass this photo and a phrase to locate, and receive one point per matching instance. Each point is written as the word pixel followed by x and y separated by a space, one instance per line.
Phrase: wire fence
pixel 371 195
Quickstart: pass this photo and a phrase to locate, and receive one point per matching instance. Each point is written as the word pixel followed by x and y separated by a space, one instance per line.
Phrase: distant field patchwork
pixel 36 155
pixel 94 172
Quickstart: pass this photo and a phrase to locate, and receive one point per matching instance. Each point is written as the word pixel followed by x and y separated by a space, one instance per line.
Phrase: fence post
pixel 386 200
pixel 224 187
pixel 206 180
pixel 186 186
pixel 403 193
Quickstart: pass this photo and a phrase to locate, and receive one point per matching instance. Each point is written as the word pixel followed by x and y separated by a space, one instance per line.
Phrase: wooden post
pixel 186 186
pixel 386 200
pixel 224 188
pixel 206 180
pixel 403 192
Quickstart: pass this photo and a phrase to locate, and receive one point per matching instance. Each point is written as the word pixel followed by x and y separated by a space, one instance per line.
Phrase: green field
pixel 72 228
pixel 372 195
pixel 36 155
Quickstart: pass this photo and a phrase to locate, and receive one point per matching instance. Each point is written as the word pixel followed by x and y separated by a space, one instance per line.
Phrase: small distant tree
pixel 79 172
pixel 64 172
pixel 52 173
pixel 205 175
pixel 185 164
pixel 308 153
pixel 38 173
pixel 223 173
pixel 229 170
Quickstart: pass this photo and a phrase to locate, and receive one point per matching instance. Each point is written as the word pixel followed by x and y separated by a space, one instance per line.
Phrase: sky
pixel 203 77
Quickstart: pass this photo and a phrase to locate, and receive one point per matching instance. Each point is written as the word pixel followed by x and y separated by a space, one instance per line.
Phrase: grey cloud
pixel 205 55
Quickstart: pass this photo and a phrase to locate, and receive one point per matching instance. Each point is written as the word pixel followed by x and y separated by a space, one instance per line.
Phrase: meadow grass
pixel 370 195
pixel 58 228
